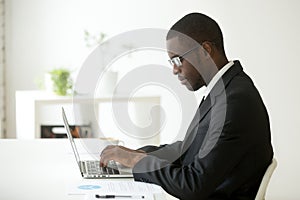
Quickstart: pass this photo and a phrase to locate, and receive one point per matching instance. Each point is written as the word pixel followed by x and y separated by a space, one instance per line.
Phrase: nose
pixel 176 70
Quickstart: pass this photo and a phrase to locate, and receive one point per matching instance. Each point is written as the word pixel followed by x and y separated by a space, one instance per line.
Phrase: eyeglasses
pixel 177 60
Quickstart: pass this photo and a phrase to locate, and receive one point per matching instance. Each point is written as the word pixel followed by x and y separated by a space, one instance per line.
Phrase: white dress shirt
pixel 215 79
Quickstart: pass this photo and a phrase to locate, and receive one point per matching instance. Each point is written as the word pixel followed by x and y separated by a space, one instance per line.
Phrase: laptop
pixel 91 168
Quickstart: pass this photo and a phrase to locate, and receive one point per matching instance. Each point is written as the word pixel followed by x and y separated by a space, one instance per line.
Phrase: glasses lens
pixel 177 61
pixel 171 62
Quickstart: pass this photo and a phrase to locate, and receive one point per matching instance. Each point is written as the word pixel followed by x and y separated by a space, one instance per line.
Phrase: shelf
pixel 36 108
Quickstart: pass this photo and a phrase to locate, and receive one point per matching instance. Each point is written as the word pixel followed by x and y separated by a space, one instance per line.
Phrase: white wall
pixel 264 35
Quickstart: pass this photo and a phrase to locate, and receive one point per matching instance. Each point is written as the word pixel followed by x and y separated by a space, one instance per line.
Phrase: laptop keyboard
pixel 93 167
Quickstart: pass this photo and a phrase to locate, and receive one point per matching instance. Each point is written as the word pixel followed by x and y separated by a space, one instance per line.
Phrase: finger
pixel 103 161
pixel 106 156
pixel 103 158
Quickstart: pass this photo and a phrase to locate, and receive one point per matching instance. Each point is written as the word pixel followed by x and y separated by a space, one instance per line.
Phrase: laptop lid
pixel 124 172
pixel 71 139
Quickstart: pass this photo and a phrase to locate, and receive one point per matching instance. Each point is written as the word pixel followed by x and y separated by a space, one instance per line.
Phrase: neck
pixel 221 62
pixel 218 64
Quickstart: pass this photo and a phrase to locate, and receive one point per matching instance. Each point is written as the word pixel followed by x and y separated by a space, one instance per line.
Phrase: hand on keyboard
pixel 123 155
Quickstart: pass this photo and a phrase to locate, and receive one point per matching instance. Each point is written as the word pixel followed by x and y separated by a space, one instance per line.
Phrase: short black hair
pixel 199 27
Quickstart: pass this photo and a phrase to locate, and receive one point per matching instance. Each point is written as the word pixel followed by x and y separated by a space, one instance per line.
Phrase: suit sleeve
pixel 170 152
pixel 225 145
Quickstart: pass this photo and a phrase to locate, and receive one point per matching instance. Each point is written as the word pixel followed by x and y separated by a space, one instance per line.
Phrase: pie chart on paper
pixel 89 187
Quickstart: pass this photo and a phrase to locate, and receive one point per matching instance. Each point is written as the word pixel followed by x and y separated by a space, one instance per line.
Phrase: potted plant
pixel 62 81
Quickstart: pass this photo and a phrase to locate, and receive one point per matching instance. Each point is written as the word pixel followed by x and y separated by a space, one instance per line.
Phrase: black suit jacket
pixel 226 150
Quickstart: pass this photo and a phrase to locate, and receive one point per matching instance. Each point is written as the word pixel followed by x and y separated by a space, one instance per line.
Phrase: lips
pixel 182 80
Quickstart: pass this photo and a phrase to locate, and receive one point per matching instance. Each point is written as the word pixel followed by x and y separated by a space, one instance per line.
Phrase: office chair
pixel 265 181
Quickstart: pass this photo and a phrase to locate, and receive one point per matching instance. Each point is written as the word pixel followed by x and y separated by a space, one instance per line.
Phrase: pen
pixel 118 196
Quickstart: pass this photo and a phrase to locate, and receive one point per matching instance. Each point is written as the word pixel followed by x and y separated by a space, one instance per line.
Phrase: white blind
pixel 2 70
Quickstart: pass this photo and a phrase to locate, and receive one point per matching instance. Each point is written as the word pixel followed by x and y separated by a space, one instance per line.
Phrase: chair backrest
pixel 265 181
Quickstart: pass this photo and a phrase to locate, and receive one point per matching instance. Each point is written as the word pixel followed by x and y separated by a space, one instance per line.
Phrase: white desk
pixel 37 169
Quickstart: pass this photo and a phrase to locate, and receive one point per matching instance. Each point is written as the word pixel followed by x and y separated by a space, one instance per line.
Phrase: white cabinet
pixel 36 108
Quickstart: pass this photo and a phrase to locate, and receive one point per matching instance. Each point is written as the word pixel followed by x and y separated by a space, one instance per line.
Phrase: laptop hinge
pixel 82 167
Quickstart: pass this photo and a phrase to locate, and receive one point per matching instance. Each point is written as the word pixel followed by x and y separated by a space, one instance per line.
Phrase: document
pixel 136 190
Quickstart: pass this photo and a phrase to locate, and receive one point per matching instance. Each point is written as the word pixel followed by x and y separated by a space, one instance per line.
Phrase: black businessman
pixel 227 147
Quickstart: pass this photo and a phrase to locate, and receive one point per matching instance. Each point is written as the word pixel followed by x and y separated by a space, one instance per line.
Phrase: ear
pixel 208 49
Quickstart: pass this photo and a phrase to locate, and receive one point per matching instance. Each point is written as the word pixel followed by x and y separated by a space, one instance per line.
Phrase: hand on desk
pixel 123 155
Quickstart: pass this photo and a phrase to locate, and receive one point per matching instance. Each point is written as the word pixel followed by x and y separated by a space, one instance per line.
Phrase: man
pixel 227 147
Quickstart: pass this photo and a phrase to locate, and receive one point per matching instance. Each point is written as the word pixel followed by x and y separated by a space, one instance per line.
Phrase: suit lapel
pixel 209 102
pixel 219 89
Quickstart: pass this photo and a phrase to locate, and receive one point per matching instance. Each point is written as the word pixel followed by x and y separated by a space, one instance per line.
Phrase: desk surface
pixel 38 169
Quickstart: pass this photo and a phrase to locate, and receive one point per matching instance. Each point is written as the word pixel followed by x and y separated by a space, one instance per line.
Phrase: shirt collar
pixel 215 79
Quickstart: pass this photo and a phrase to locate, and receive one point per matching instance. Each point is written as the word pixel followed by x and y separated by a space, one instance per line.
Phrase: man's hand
pixel 123 155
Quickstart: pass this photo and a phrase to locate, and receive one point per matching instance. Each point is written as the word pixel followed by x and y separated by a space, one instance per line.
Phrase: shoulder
pixel 241 86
